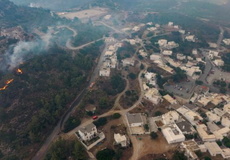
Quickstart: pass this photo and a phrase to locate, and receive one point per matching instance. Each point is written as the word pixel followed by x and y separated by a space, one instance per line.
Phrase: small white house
pixel 170 24
pixel 135 119
pixel 170 117
pixel 190 38
pixel 212 117
pixel 225 120
pixel 153 96
pixel 128 62
pixel 162 42
pixel 104 72
pixel 121 140
pixel 219 62
pixel 167 52
pixel 173 134
pixel 226 41
pixel 88 132
pixel 213 148
pixel 170 99
pixel 155 57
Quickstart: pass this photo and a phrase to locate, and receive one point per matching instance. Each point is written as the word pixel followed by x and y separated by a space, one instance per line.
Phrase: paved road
pixel 113 28
pixel 69 28
pixel 44 148
pixel 69 44
pixel 221 36
pixel 208 67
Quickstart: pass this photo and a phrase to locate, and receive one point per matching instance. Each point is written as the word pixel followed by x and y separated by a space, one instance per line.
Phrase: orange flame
pixel 19 71
pixel 7 83
pixel 3 88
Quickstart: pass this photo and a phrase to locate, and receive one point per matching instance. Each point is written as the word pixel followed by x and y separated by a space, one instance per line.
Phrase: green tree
pixel 207 158
pixel 199 82
pixel 79 151
pixel 1 154
pixel 219 143
pixel 71 123
pixel 179 156
pixel 116 115
pixel 226 142
pixel 153 135
pixel 146 127
pixel 142 66
pixel 103 103
pixel 158 113
pixel 223 90
pixel 106 154
pixel 100 122
pixel 132 76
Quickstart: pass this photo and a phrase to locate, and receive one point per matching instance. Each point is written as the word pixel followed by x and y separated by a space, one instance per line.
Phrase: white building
pixel 162 42
pixel 121 140
pixel 226 153
pixel 170 99
pixel 212 117
pixel 136 28
pixel 88 132
pixel 190 115
pixel 218 62
pixel 151 78
pixel 190 38
pixel 194 52
pixel 213 148
pixel 104 72
pixel 135 119
pixel 170 24
pixel 128 62
pixel 221 133
pixel 173 134
pixel 167 52
pixel 108 53
pixel 143 53
pixel 226 41
pixel 182 31
pixel 202 131
pixel 155 57
pixel 170 117
pixel 152 29
pixel 225 120
pixel 213 54
pixel 180 57
pixel 190 147
pixel 227 108
pixel 219 112
pixel 153 96
pixel 107 17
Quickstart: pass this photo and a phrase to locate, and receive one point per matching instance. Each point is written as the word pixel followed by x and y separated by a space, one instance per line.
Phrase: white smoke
pixel 25 50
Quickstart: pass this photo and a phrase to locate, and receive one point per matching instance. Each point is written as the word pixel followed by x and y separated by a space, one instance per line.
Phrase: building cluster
pixel 150 88
pixel 186 120
pixel 110 59
pixel 226 41
pixel 187 63
pixel 89 136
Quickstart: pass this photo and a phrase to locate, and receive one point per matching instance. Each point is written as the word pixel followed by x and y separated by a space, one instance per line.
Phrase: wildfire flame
pixel 7 83
pixel 19 71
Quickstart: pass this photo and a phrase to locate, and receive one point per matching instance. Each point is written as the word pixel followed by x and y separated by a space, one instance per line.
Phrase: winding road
pixel 58 129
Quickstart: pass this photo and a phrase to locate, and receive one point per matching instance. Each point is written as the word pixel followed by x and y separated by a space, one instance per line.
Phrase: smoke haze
pixel 22 51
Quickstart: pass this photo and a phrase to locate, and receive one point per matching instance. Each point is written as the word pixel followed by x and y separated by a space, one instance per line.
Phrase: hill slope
pixel 12 15
pixel 53 5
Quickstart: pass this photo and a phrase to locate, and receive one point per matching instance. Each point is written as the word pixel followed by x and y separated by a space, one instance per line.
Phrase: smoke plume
pixel 22 51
